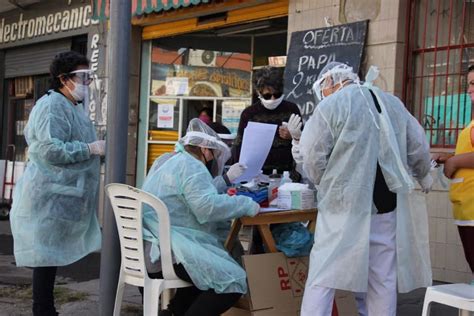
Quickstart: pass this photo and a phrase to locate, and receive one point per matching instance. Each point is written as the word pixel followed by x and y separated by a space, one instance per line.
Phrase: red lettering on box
pixel 282 273
pixel 285 285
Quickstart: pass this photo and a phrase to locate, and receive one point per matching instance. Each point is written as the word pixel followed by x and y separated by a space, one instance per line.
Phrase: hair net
pixel 201 135
pixel 338 72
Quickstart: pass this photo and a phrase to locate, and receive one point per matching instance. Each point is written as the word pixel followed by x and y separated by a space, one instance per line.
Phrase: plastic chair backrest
pixel 127 203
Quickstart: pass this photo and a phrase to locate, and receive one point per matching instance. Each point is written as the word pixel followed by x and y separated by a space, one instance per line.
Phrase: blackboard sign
pixel 311 50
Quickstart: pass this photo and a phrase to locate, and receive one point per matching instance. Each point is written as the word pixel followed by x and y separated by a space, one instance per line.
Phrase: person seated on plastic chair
pixel 222 182
pixel 184 182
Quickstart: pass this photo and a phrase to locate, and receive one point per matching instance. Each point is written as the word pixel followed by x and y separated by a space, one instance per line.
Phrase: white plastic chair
pixel 127 203
pixel 460 296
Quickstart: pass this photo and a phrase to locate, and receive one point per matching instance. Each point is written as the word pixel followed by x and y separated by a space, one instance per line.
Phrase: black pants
pixel 191 301
pixel 43 287
pixel 467 238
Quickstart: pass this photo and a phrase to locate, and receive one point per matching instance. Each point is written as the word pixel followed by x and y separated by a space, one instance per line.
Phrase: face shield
pixel 228 139
pixel 200 135
pixel 87 78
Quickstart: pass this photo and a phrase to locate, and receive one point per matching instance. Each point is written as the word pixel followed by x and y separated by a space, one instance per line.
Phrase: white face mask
pixel 80 92
pixel 271 104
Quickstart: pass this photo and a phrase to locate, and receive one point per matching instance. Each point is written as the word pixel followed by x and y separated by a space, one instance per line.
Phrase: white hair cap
pixel 201 135
pixel 338 72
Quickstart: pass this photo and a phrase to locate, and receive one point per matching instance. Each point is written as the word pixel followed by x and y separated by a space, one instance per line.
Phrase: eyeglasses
pixel 268 96
pixel 86 76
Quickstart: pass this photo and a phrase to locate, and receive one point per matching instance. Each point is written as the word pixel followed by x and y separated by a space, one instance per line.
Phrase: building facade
pixel 197 54
pixel 30 37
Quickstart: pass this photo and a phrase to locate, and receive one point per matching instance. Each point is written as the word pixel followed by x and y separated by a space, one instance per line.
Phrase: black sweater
pixel 280 154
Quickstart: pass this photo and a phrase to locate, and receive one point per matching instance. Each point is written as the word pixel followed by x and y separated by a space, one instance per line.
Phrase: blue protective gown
pixel 341 146
pixel 53 217
pixel 195 207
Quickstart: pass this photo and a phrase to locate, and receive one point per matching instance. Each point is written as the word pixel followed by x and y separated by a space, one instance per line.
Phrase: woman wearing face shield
pixel 360 148
pixel 184 182
pixel 53 217
pixel 270 108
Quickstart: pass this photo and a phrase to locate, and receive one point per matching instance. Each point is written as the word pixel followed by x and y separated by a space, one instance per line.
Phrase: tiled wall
pixel 386 49
pixel 447 256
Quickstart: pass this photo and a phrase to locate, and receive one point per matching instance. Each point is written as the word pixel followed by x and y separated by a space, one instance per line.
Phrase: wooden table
pixel 264 220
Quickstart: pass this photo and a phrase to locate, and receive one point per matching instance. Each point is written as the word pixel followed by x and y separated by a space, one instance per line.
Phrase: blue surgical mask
pixel 80 91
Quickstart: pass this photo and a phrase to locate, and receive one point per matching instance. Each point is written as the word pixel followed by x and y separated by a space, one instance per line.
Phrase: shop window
pixel 23 92
pixel 185 82
pixel 441 48
pixel 20 103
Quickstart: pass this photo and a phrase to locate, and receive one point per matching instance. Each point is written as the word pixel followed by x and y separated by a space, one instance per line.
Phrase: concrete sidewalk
pixel 72 297
pixel 77 288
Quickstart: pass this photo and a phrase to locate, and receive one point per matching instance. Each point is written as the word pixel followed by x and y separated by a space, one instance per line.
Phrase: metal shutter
pixel 33 59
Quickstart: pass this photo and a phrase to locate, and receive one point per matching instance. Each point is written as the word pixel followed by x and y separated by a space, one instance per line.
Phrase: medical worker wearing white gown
pixel 53 217
pixel 360 148
pixel 184 183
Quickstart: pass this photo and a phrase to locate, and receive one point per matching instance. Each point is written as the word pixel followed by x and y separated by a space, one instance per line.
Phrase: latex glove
pixel 235 171
pixel 294 126
pixel 97 148
pixel 426 183
pixel 295 151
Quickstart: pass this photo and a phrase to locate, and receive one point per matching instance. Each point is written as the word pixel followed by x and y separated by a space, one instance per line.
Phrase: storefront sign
pixel 45 21
pixel 277 61
pixel 202 81
pixel 55 22
pixel 98 96
pixel 311 50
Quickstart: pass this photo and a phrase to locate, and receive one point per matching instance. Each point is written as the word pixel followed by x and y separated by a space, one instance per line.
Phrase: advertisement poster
pixel 231 111
pixel 165 115
pixel 177 86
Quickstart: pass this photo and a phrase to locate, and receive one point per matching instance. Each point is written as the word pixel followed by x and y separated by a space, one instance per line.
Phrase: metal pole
pixel 116 155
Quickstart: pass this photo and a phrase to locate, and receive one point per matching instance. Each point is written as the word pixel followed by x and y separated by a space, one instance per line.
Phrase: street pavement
pixel 78 288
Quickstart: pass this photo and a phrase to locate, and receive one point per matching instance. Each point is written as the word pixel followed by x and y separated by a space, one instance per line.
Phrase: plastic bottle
pixel 273 186
pixel 286 178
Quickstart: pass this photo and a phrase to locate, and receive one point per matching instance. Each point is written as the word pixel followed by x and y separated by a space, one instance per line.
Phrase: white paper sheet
pixel 256 144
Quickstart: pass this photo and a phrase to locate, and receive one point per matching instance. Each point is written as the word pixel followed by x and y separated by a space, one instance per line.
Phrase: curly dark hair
pixel 63 64
pixel 268 77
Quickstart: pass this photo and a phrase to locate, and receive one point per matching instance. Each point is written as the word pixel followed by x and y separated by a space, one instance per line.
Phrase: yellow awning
pixel 154 27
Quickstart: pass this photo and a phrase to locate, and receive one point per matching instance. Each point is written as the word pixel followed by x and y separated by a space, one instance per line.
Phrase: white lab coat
pixel 341 145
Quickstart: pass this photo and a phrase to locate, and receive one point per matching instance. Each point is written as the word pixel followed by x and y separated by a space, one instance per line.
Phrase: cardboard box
pixel 276 286
pixel 296 200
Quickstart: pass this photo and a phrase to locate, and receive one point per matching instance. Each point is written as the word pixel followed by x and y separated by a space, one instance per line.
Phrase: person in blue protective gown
pixel 361 148
pixel 53 217
pixel 221 181
pixel 184 182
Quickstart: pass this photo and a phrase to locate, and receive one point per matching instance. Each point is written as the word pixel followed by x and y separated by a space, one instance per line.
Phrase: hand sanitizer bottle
pixel 286 178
